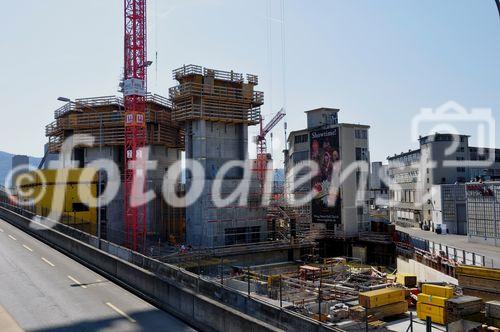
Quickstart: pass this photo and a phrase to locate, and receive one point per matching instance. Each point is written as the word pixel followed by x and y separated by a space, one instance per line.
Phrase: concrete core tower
pixel 216 107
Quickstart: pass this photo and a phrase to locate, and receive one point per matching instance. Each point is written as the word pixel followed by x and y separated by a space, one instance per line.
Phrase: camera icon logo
pixel 447 119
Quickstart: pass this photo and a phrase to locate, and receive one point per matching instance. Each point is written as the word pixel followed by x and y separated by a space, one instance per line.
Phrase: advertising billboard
pixel 324 147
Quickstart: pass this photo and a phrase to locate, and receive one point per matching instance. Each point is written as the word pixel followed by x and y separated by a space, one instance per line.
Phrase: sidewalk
pixel 491 253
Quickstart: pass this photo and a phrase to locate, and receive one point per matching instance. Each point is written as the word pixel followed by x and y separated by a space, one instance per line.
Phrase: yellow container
pixel 436 290
pixel 380 297
pixel 431 299
pixel 407 279
pixel 60 176
pixel 476 271
pixel 437 314
pixel 73 195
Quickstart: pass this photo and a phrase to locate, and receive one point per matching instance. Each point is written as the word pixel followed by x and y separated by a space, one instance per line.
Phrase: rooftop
pixel 336 110
pixel 402 154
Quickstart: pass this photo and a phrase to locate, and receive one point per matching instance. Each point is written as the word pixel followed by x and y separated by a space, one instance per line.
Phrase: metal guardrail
pixel 187 70
pixel 93 102
pixel 224 75
pixel 460 256
pixel 231 76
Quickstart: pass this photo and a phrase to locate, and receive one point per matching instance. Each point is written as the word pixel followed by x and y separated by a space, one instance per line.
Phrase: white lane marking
pixel 76 282
pixel 1 230
pixel 130 319
pixel 47 261
pixel 27 248
pixel 13 238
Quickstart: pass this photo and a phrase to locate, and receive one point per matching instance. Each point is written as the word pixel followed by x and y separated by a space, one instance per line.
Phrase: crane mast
pixel 262 144
pixel 134 96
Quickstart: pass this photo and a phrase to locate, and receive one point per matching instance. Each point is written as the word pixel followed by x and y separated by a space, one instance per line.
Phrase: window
pixel 255 234
pixel 80 207
pixel 461 169
pixel 235 235
pixel 360 210
pixel 361 133
pixel 300 156
pixel 301 138
pixel 361 154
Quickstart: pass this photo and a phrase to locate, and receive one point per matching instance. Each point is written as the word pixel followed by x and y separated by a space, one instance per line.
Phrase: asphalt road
pixel 41 289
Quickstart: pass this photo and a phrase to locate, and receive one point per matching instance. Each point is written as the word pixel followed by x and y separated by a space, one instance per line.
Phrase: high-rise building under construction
pixel 216 107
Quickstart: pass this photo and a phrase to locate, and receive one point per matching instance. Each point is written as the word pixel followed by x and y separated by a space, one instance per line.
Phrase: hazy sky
pixel 379 61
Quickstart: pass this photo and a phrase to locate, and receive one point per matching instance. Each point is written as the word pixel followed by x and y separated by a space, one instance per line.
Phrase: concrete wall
pixel 204 304
pixel 206 224
pixel 322 116
pixel 164 157
pixel 213 144
pixel 423 272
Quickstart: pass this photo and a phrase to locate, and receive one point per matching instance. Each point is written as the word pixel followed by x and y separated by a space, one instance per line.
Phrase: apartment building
pixel 413 174
pixel 325 140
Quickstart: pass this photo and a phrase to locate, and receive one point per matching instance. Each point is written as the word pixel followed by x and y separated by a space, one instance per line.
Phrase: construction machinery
pixel 262 156
pixel 134 95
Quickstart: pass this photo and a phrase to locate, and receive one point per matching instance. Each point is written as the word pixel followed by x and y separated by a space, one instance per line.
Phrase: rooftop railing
pixel 187 70
pixel 231 76
pixel 223 75
pixel 86 104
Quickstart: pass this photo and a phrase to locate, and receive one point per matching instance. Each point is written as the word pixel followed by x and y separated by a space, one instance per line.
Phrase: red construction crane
pixel 261 161
pixel 134 95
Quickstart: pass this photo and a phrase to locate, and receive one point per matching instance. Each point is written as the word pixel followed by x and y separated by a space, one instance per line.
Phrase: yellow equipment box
pixel 380 297
pixel 436 290
pixel 437 314
pixel 407 280
pixel 431 299
pixel 480 272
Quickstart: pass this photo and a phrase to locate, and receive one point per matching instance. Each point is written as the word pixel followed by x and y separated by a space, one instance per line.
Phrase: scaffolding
pixel 87 115
pixel 215 95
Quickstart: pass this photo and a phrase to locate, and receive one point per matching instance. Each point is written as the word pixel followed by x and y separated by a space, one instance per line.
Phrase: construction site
pixel 344 267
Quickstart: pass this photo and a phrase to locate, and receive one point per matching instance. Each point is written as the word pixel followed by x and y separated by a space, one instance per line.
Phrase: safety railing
pixel 410 243
pixel 223 75
pixel 213 91
pixel 215 112
pixel 88 104
pixel 187 70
